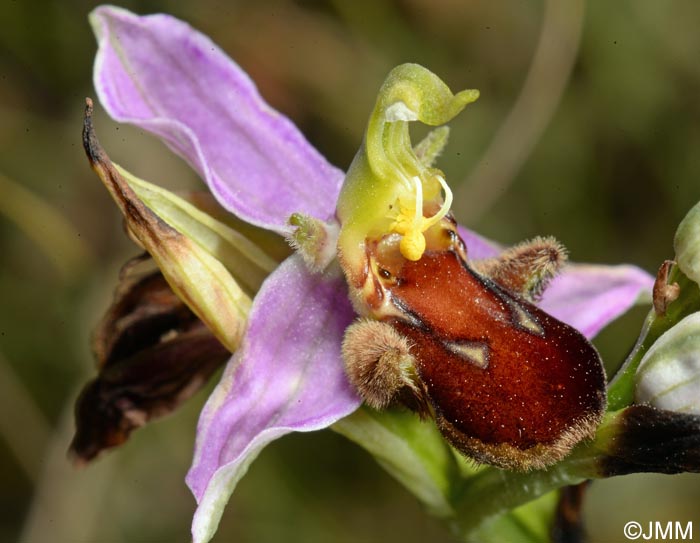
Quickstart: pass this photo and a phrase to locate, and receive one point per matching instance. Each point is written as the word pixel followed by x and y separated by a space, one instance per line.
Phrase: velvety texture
pixel 498 371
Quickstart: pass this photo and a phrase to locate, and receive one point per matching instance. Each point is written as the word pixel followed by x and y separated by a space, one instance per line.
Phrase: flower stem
pixel 493 491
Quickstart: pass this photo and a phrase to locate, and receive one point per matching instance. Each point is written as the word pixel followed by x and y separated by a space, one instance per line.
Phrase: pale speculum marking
pixel 523 320
pixel 474 352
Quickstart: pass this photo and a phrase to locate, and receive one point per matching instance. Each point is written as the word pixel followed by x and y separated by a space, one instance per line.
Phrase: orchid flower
pixel 286 374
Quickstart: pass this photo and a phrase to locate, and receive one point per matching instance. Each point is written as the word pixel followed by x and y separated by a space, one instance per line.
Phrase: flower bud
pixel 668 376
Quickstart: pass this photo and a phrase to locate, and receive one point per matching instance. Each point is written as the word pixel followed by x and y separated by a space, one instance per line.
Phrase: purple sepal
pixel 160 74
pixel 287 377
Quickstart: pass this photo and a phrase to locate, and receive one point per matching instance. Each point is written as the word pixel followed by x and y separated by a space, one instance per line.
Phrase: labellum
pixel 507 384
pixel 461 342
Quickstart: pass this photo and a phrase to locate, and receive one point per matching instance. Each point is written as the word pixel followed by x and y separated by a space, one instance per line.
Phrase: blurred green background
pixel 587 129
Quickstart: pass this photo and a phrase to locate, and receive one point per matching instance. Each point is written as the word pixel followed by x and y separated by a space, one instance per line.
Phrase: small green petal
pixel 431 147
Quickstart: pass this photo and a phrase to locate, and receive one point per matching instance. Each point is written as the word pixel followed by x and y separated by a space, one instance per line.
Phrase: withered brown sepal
pixel 153 354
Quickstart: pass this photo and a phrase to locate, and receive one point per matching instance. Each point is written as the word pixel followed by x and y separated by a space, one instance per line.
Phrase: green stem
pixel 493 491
